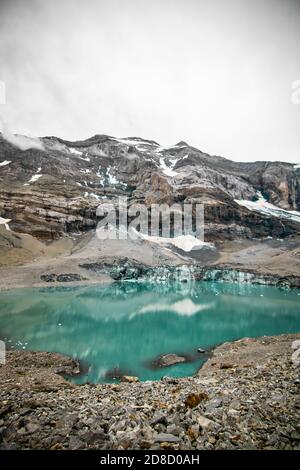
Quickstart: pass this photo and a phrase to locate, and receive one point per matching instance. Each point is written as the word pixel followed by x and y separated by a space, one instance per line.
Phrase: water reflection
pixel 181 307
pixel 124 325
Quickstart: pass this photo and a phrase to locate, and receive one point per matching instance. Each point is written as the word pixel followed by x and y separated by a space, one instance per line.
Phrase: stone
pixel 75 443
pixel 213 404
pixel 296 357
pixel 129 379
pixel 173 429
pixel 32 427
pixel 296 344
pixel 116 373
pixel 225 365
pixel 159 418
pixel 193 431
pixel 48 277
pixel 165 360
pixel 164 437
pixel 205 423
pixel 194 399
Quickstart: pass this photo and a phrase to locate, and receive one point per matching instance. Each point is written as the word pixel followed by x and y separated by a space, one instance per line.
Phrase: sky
pixel 216 74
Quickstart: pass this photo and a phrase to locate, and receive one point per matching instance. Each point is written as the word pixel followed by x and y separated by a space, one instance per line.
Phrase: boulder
pixel 129 379
pixel 166 360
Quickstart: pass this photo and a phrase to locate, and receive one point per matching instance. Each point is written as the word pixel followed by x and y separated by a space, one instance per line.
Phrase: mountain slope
pixel 51 192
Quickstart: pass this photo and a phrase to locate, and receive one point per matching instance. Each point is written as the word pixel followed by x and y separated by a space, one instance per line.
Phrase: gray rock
pixel 166 360
pixel 163 437
pixel 75 443
pixel 205 423
pixel 296 344
pixel 32 427
pixel 296 357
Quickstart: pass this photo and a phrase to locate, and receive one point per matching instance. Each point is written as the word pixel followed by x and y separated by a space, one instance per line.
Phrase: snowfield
pixel 6 162
pixel 168 171
pixel 266 208
pixel 183 242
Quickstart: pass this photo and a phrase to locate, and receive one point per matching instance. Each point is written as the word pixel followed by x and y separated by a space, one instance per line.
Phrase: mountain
pixel 54 189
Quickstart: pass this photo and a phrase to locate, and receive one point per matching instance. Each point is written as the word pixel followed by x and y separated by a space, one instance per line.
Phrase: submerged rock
pixel 165 360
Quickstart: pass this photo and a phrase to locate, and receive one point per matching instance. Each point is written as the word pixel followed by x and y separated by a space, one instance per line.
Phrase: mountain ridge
pixel 55 191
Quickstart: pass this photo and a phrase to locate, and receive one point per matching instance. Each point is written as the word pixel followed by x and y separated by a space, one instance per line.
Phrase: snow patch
pixel 35 177
pixel 86 194
pixel 266 208
pixel 5 222
pixel 96 196
pixel 75 151
pixel 79 154
pixel 85 159
pixel 135 142
pixel 102 179
pixel 173 147
pixel 6 162
pixel 168 171
pixel 183 242
pixel 112 180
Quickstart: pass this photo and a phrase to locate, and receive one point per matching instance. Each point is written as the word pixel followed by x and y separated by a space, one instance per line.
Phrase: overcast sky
pixel 215 73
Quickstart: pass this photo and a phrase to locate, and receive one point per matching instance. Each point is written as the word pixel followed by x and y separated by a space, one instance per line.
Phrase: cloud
pixel 21 141
pixel 182 307
pixel 216 74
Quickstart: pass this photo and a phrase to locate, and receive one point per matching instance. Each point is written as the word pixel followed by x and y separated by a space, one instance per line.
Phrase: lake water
pixel 127 325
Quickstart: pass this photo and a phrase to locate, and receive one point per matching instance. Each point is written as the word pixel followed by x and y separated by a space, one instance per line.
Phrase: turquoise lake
pixel 127 325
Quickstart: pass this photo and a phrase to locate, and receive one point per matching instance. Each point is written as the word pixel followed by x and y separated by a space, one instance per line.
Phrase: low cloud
pixel 21 141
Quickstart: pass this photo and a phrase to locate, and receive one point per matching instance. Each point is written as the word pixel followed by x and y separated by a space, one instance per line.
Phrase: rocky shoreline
pixel 246 396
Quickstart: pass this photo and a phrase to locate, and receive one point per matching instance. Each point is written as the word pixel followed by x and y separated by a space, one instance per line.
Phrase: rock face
pixel 49 193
